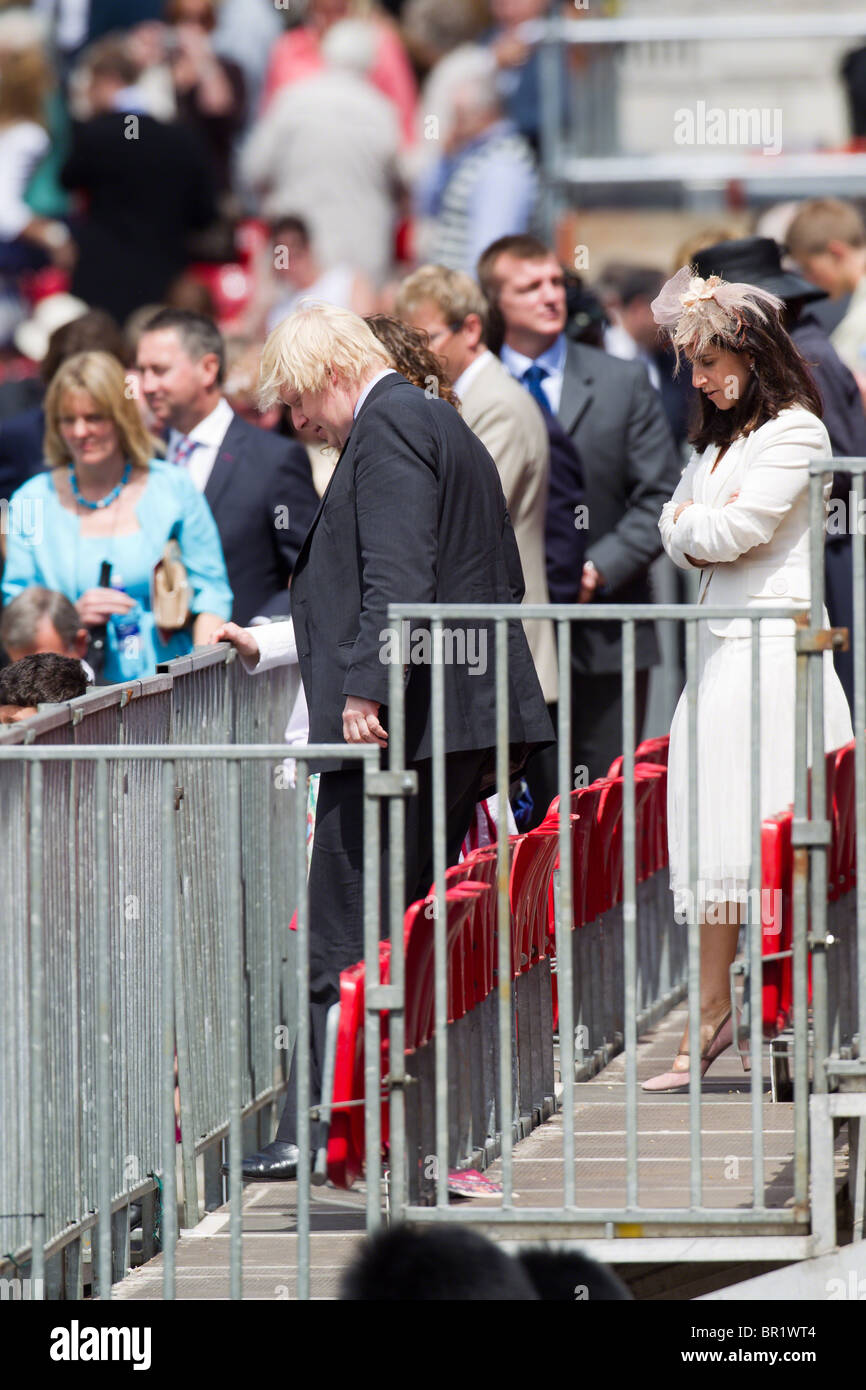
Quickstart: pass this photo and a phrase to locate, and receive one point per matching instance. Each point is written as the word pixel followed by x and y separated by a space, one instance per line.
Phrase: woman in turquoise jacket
pixel 105 509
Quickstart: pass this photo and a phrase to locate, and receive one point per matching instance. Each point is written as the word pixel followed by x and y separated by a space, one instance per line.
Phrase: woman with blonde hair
pixel 96 524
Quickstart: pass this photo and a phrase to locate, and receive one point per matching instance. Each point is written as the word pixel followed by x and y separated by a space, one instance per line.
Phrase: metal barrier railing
pixel 95 843
pixel 589 153
pixel 711 1229
pixel 838 937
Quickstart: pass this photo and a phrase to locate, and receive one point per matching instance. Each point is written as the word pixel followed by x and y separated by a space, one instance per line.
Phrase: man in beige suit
pixel 451 309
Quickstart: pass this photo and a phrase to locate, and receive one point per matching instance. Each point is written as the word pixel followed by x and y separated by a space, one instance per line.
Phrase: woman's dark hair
pixel 781 378
pixel 95 331
pixel 413 356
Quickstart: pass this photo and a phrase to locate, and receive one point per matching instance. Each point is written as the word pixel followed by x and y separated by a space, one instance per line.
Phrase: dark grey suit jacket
pixel 630 469
pixel 414 511
pixel 262 497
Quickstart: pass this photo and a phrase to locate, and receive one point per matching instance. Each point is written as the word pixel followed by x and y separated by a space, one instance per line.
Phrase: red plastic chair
pixel 420 981
pixel 519 890
pixel 345 1155
pixel 776 920
pixel 652 750
pixel 584 848
pixel 461 933
pixel 552 813
pixel 529 889
pixel 609 882
pixel 833 851
pixel 587 863
pixel 418 939
pixel 482 963
pixel 650 790
pixel 542 886
pixel 844 822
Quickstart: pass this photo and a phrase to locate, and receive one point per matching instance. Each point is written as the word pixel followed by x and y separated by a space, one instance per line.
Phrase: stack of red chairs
pixel 595 815
pixel 777 874
pixel 470 909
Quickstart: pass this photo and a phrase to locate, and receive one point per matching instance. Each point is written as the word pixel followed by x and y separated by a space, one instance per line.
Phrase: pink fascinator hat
pixel 697 312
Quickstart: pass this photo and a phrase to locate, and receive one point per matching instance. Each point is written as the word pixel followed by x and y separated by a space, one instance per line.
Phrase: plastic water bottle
pixel 127 626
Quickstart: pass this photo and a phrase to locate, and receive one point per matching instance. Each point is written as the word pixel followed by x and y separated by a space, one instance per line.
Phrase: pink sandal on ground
pixel 679 1080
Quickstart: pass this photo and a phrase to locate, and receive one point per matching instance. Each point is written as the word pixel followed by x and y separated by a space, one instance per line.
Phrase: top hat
pixel 755 260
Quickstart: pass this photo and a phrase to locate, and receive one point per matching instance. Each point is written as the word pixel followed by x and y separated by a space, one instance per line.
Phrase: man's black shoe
pixel 276 1163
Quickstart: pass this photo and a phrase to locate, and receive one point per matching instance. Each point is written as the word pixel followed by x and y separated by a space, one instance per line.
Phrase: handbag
pixel 172 591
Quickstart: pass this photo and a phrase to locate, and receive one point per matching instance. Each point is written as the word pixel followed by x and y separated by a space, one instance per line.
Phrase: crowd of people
pixel 369 183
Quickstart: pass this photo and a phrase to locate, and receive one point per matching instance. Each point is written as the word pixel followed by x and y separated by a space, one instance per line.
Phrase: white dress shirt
pixel 468 375
pixel 276 644
pixel 388 371
pixel 553 359
pixel 209 434
pixel 277 647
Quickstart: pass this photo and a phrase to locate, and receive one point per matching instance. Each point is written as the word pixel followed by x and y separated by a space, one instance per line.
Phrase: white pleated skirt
pixel 724 759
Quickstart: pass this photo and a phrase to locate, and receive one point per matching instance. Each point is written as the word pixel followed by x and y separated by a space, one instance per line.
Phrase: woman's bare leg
pixel 719 935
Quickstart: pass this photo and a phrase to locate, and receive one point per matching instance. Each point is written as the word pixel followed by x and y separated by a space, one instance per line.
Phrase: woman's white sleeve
pixel 670 533
pixel 775 479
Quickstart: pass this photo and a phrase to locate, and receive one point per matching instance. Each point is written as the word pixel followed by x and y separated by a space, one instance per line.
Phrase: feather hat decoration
pixel 696 311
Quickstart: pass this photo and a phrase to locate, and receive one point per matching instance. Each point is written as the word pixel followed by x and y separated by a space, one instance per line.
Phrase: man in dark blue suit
pixel 259 486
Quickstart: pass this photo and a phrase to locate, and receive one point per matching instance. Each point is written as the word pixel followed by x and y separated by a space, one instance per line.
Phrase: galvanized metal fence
pixel 826 1040
pixel 588 154
pixel 147 890
pixel 509 1218
pixel 837 941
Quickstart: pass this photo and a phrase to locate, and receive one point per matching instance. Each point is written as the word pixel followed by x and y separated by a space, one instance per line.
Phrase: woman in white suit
pixel 741 515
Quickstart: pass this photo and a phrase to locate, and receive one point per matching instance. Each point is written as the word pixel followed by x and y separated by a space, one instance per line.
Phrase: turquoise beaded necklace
pixel 105 501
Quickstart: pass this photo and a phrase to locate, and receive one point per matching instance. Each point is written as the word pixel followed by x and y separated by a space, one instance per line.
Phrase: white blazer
pixel 757 546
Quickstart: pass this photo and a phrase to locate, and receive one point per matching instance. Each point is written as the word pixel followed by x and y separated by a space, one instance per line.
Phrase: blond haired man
pixel 414 512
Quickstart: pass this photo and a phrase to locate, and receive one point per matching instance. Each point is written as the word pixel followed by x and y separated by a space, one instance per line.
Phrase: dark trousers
pixel 336 885
pixel 596 736
pixel 596 721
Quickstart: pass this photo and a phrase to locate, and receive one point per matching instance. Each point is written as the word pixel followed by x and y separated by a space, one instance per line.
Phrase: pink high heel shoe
pixel 679 1080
